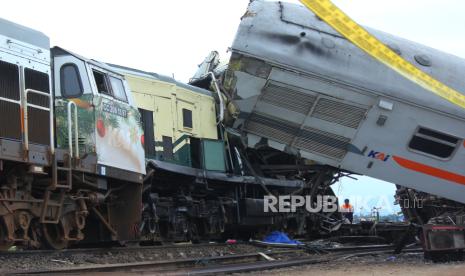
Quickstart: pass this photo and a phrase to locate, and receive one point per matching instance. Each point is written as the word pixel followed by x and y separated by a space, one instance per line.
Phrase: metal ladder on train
pixel 49 206
pixel 52 208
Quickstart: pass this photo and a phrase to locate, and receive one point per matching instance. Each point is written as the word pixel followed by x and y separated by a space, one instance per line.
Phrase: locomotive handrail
pixel 26 117
pixel 70 132
pixel 38 50
pixel 220 96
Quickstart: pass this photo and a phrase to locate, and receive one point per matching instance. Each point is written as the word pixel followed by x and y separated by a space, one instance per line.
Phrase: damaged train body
pixel 200 183
pixel 304 90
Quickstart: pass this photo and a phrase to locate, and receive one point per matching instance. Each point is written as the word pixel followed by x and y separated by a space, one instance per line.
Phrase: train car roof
pixel 25 34
pixel 151 75
pixel 301 41
pixel 58 51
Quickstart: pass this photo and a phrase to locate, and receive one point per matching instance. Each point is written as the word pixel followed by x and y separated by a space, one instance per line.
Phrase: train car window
pixel 102 83
pixel 71 84
pixel 187 118
pixel 9 81
pixel 118 89
pixel 433 143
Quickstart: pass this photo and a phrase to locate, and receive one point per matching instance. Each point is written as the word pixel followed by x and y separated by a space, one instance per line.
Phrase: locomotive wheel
pixel 4 243
pixel 53 236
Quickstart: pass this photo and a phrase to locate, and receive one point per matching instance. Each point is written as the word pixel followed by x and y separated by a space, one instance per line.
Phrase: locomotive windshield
pixel 118 89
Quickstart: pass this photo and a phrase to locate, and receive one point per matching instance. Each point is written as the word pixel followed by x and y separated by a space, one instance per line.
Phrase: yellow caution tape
pixel 337 19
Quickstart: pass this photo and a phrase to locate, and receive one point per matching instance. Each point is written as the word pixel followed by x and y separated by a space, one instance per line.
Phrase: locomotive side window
pixel 118 89
pixel 433 143
pixel 71 85
pixel 102 83
pixel 187 118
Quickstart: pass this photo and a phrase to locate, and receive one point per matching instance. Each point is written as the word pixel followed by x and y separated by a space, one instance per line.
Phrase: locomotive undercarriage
pixel 437 222
pixel 423 208
pixel 34 214
pixel 182 204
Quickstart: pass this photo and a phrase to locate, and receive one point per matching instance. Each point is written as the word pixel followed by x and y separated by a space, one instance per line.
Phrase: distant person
pixel 347 210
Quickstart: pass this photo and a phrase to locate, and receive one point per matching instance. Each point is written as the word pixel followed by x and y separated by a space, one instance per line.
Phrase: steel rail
pixel 260 266
pixel 222 264
pixel 154 266
pixel 111 249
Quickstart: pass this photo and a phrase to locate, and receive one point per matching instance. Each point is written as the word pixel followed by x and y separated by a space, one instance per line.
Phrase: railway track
pixel 248 262
pixel 260 266
pixel 107 249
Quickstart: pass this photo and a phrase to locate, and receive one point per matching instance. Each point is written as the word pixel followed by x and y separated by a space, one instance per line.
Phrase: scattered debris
pixel 62 262
pixel 391 258
pixel 266 257
pixel 280 237
pixel 231 241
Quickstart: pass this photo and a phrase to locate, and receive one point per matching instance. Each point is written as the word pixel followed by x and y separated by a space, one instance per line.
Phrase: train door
pixel 74 109
pixel 105 136
pixel 164 128
pixel 186 130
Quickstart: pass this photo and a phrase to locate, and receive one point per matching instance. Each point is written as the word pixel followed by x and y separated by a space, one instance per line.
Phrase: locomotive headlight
pixel 36 169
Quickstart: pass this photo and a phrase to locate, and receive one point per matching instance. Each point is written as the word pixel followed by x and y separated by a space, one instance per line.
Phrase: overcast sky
pixel 173 37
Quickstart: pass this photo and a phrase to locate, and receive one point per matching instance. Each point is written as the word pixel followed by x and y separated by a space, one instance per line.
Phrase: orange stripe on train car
pixel 422 168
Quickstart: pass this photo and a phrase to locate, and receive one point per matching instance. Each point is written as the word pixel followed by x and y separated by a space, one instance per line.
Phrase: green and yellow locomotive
pixel 199 183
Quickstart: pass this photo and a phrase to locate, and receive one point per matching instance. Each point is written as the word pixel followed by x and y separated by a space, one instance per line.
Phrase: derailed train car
pixel 200 184
pixel 304 90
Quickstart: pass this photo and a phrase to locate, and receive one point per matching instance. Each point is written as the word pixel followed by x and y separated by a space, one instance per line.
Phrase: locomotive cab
pixel 105 136
pixel 99 137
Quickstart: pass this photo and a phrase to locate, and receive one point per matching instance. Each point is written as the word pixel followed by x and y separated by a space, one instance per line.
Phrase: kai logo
pixel 379 155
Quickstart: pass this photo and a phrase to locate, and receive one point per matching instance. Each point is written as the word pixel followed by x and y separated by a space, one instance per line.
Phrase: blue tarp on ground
pixel 280 237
